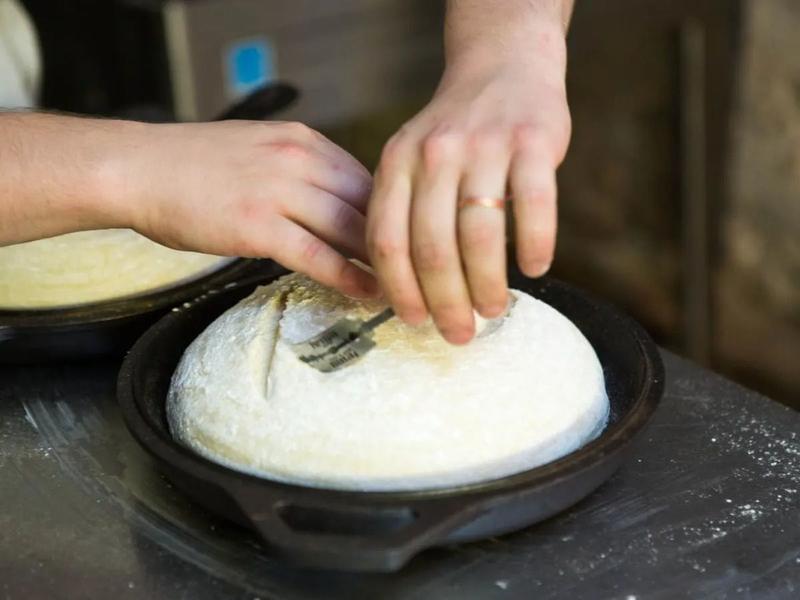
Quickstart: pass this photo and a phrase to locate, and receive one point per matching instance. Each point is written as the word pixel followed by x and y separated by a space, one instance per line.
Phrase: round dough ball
pixel 414 413
pixel 93 266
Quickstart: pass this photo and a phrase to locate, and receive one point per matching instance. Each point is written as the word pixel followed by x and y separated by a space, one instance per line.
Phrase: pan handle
pixel 262 103
pixel 377 538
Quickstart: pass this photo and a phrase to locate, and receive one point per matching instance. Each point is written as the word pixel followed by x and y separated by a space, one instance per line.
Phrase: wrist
pixel 538 42
pixel 116 183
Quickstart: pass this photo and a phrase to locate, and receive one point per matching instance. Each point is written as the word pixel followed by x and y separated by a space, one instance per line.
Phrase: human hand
pixel 253 189
pixel 494 128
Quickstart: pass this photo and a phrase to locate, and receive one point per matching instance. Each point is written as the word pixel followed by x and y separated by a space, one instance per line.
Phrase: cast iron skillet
pixel 109 328
pixel 106 328
pixel 381 531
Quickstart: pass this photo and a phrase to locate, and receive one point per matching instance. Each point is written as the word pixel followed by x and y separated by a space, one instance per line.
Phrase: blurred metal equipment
pixel 349 58
pixel 190 59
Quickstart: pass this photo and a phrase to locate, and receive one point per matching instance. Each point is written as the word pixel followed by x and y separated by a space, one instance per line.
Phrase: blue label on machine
pixel 251 64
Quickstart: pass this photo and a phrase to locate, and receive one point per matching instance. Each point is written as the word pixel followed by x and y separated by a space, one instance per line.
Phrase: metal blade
pixel 495 324
pixel 340 333
pixel 344 342
pixel 347 340
pixel 341 356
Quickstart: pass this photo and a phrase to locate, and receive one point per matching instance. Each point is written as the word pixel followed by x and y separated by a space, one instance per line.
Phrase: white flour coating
pixel 415 413
pixel 92 266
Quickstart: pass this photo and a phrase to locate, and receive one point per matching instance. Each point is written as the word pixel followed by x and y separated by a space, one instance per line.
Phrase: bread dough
pixel 92 266
pixel 415 413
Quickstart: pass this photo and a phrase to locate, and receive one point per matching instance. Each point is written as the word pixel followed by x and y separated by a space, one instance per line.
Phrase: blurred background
pixel 680 196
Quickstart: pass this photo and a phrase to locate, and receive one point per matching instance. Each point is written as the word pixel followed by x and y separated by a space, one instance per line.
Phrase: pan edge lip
pixel 610 442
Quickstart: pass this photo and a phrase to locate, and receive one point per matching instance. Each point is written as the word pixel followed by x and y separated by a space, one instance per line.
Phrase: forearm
pixel 478 32
pixel 57 174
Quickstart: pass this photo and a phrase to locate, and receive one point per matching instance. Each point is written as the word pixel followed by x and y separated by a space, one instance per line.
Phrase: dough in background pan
pixel 93 266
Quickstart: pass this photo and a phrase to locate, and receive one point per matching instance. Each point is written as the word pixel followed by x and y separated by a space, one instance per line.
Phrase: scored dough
pixel 415 413
pixel 93 266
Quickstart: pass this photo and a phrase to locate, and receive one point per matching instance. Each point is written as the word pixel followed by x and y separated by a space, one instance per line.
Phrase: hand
pixel 252 189
pixel 492 129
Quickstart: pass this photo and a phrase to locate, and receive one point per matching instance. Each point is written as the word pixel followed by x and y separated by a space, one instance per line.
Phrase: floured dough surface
pixel 414 413
pixel 92 266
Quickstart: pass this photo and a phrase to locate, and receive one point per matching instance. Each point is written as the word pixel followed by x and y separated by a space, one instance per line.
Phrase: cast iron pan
pixel 109 328
pixel 381 531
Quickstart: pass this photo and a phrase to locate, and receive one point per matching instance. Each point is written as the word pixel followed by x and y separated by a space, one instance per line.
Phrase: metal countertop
pixel 707 506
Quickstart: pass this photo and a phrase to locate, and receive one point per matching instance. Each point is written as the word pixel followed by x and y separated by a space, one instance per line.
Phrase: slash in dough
pixel 415 413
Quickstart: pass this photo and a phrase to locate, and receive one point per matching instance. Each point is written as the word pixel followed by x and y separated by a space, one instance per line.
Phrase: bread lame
pixel 344 342
pixel 349 339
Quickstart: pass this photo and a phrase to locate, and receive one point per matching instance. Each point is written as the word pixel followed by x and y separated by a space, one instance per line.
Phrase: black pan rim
pixel 612 440
pixel 126 307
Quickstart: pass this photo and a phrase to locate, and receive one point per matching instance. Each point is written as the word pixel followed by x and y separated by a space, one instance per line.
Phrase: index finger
pixel 388 243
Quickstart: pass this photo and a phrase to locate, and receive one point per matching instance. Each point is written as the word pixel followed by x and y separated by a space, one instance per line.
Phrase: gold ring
pixel 483 202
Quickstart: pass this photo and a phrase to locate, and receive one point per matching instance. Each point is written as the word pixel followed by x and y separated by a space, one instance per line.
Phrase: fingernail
pixel 540 270
pixel 492 311
pixel 545 269
pixel 458 336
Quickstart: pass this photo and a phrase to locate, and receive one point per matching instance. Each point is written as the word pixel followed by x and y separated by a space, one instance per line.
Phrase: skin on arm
pixel 498 125
pixel 237 188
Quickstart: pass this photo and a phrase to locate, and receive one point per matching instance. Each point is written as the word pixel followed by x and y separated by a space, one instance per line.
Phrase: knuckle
pixel 344 217
pixel 384 247
pixel 299 130
pixel 291 150
pixel 537 196
pixel 394 152
pixel 541 200
pixel 432 256
pixel 529 137
pixel 480 236
pixel 547 143
pixel 312 248
pixel 439 148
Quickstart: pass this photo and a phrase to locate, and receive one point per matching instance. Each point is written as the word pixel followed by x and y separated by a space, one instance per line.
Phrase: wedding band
pixel 483 202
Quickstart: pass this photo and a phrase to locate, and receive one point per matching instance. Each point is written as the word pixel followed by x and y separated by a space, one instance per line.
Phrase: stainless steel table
pixel 708 506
